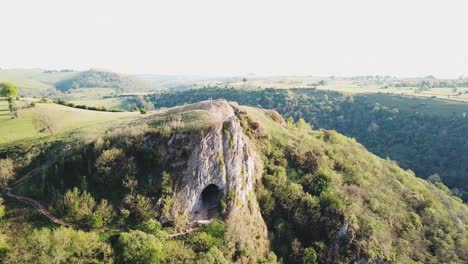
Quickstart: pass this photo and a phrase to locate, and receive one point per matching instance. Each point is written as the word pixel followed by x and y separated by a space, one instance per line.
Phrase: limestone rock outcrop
pixel 217 175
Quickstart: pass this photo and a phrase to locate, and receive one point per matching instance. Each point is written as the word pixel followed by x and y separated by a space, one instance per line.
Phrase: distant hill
pixel 69 84
pixel 105 79
pixel 35 82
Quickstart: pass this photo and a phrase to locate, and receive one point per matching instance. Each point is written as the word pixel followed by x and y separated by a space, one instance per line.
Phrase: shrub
pixel 78 205
pixel 140 207
pixel 2 208
pixel 150 226
pixel 177 252
pixel 139 247
pixel 316 184
pixel 310 256
pixel 102 214
pixel 61 245
pixel 6 171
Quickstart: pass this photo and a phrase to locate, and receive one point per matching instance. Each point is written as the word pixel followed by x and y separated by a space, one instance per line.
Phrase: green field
pixel 64 118
pixel 109 103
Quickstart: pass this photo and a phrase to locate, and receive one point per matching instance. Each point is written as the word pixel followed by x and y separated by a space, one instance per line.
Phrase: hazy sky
pixel 396 37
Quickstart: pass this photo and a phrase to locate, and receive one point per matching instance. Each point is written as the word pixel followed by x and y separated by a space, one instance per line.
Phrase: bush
pixel 310 256
pixel 138 247
pixel 78 205
pixel 61 245
pixel 151 226
pixel 143 111
pixel 140 207
pixel 6 171
pixel 316 184
pixel 178 252
pixel 2 208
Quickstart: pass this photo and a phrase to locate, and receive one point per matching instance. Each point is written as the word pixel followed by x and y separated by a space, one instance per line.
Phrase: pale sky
pixel 340 37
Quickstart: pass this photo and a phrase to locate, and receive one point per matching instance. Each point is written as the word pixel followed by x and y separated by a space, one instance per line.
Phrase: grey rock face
pixel 219 157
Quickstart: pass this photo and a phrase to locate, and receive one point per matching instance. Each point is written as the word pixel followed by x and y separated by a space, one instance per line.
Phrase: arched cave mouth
pixel 210 197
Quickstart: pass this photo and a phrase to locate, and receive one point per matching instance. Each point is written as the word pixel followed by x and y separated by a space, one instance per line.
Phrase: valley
pixel 263 181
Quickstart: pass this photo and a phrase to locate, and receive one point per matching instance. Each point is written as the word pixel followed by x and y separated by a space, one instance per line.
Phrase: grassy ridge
pixel 64 118
pixel 388 213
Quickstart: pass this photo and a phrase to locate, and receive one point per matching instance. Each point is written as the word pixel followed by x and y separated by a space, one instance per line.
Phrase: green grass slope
pixel 323 196
pixel 63 119
pixel 35 82
pixel 369 208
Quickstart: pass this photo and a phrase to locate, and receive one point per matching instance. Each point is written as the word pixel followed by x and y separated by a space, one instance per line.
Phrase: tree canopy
pixel 8 89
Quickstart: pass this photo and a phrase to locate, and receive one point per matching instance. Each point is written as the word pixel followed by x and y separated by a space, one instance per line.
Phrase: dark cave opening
pixel 211 196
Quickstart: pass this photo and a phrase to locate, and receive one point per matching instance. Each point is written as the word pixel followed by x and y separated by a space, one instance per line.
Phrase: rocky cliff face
pixel 220 167
pixel 217 178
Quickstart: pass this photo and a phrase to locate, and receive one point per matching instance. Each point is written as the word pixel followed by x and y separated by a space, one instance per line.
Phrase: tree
pixel 317 183
pixel 115 168
pixel 8 90
pixel 322 83
pixel 13 107
pixel 78 205
pixel 303 125
pixel 214 255
pixel 102 214
pixel 4 247
pixel 140 207
pixel 2 208
pixel 44 122
pixel 61 245
pixel 6 171
pixel 138 247
pixel 434 178
pixel 310 256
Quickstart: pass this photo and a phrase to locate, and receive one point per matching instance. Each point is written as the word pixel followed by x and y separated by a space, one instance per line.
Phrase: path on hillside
pixel 40 208
pixel 34 203
pixel 194 228
pixel 195 225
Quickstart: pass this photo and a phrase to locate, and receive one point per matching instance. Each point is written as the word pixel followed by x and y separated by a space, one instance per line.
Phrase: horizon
pixel 234 75
pixel 213 38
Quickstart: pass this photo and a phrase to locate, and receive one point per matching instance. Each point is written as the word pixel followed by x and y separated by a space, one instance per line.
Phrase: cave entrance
pixel 211 196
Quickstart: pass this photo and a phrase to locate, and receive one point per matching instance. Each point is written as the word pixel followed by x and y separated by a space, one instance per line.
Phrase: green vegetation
pixel 8 90
pixel 427 136
pixel 103 79
pixel 6 171
pixel 324 198
pixel 61 245
pixel 35 82
pixel 323 193
pixel 33 121
pixel 74 85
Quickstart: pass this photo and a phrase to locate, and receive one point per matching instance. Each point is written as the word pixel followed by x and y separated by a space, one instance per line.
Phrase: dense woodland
pixel 427 136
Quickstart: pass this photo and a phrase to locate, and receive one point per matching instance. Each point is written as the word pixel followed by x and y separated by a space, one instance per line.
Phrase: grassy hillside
pixel 385 208
pixel 34 82
pixel 323 196
pixel 63 119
